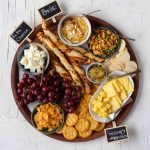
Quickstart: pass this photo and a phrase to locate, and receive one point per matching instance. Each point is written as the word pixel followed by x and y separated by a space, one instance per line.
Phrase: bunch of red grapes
pixel 53 89
pixel 72 96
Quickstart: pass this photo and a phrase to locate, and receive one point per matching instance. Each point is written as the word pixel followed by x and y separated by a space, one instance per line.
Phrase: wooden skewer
pixel 43 70
pixel 131 73
pixel 127 38
pixel 91 12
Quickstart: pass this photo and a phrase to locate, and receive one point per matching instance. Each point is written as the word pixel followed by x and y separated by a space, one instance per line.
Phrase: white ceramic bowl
pixel 21 53
pixel 60 26
pixel 93 114
pixel 95 63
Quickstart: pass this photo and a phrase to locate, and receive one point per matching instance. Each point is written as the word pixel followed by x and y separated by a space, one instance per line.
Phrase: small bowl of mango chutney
pixel 96 72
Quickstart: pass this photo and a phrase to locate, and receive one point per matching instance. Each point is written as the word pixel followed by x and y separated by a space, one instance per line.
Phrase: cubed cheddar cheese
pixel 103 109
pixel 122 95
pixel 115 105
pixel 109 111
pixel 119 84
pixel 95 109
pixel 109 90
pixel 98 104
pixel 117 98
pixel 111 97
pixel 114 83
pixel 99 98
pixel 106 99
pixel 103 94
pixel 130 87
pixel 108 106
pixel 105 115
pixel 100 113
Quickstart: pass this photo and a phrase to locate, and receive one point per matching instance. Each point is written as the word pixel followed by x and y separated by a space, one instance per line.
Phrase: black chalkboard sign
pixel 118 133
pixel 21 33
pixel 50 10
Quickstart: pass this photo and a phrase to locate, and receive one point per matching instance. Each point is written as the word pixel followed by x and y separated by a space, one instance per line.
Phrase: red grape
pixel 40 97
pixel 23 95
pixel 50 99
pixel 24 81
pixel 51 94
pixel 79 88
pixel 35 85
pixel 57 89
pixel 51 88
pixel 32 92
pixel 56 83
pixel 43 93
pixel 67 98
pixel 56 97
pixel 74 93
pixel 30 97
pixel 68 91
pixel 68 85
pixel 25 75
pixel 35 78
pixel 73 98
pixel 19 85
pixel 45 100
pixel 30 80
pixel 22 103
pixel 69 103
pixel 65 105
pixel 55 76
pixel 36 92
pixel 45 89
pixel 19 91
pixel 71 109
pixel 64 84
pixel 46 78
pixel 25 101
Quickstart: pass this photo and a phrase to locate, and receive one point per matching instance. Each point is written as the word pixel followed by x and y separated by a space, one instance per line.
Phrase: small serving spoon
pixel 112 116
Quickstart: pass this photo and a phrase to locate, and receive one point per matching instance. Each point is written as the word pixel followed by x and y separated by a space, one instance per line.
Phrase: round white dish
pixel 67 17
pixel 87 69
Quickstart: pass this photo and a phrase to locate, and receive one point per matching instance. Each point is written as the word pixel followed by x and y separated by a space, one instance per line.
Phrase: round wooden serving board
pixel 25 110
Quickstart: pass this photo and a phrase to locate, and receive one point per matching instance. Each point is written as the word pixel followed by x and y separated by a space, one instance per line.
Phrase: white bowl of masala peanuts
pixel 74 29
pixel 103 42
pixel 48 118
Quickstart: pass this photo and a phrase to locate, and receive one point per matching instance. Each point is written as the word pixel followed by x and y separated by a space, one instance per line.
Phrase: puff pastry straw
pixel 59 68
pixel 82 75
pixel 61 57
pixel 65 49
pixel 88 54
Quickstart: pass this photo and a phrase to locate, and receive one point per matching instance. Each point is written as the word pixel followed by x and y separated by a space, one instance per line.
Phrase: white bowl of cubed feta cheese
pixel 32 57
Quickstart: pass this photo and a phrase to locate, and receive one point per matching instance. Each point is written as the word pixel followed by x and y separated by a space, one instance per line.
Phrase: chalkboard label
pixel 21 33
pixel 51 10
pixel 118 133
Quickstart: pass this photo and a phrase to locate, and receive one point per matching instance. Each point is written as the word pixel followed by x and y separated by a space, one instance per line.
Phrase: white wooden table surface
pixel 131 17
